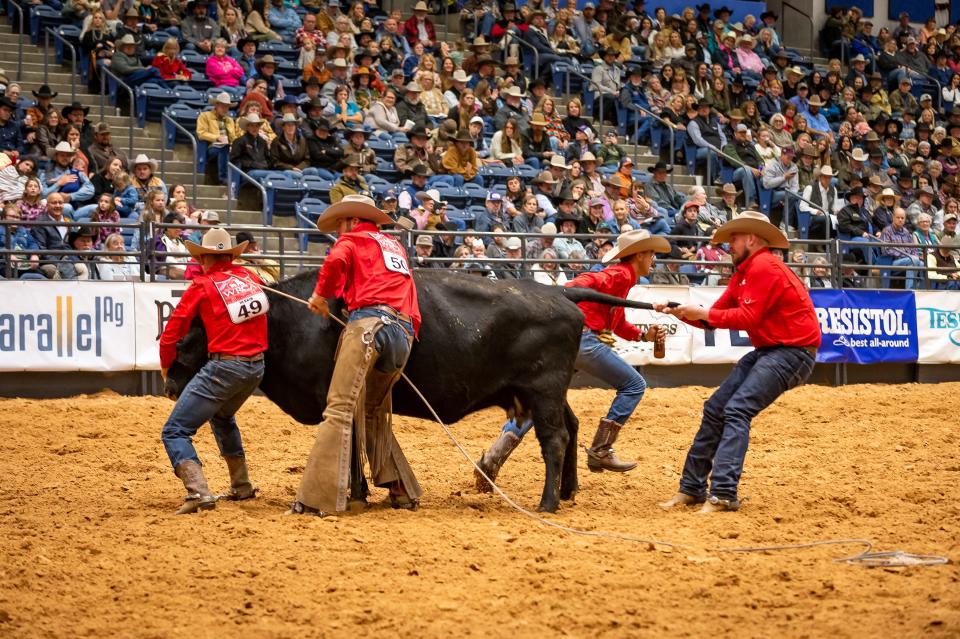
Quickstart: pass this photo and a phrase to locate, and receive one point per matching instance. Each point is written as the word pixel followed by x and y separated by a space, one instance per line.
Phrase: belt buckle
pixel 387 320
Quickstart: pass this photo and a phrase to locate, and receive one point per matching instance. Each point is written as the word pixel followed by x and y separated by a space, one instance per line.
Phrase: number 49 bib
pixel 244 299
pixel 394 257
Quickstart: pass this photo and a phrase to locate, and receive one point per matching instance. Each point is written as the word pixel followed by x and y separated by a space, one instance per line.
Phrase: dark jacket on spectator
pixel 250 152
pixel 853 220
pixel 324 154
pixel 285 156
pixel 416 113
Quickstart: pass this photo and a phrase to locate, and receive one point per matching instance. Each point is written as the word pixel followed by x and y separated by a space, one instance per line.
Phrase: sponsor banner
pixel 720 346
pixel 154 304
pixel 866 327
pixel 938 321
pixel 678 333
pixel 66 326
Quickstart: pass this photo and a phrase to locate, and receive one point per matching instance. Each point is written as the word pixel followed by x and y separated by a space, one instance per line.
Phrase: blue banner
pixel 866 327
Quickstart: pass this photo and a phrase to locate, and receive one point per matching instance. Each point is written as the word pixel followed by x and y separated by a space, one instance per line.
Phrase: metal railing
pixel 784 7
pixel 536 55
pixel 14 5
pixel 665 123
pixel 164 119
pixel 231 195
pixel 104 72
pixel 73 59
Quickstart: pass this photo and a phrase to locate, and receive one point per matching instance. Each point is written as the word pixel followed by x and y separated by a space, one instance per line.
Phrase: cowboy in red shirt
pixel 369 270
pixel 635 251
pixel 233 308
pixel 768 301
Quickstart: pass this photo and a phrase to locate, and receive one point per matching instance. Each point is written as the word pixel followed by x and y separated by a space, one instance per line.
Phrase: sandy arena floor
pixel 91 548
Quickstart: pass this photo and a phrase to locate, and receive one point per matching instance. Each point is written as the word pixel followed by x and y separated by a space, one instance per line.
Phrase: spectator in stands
pixel 924 233
pixel 419 28
pixel 128 67
pixel 283 19
pixel 218 130
pixel 199 29
pixel 493 212
pixel 410 155
pixel 512 108
pixel 346 112
pixel 170 250
pixel 84 267
pixel 105 210
pixel 350 182
pixel 661 191
pixel 31 205
pixel 266 68
pixel 125 196
pixel 96 42
pixel 11 137
pixel 546 271
pixel 382 114
pixel 288 151
pixel 144 176
pixel 707 134
pixel 169 63
pixel 250 152
pixel 898 233
pixel 822 193
pixel 325 152
pixel 923 206
pixel 388 30
pixel 25 264
pixel 102 150
pixel 606 82
pixel 51 237
pixel 506 145
pixel 411 108
pixel 461 160
pixel 231 28
pixel 356 149
pixel 117 267
pixel 423 251
pixel 944 269
pixel 780 175
pixel 855 221
pixel 529 217
pixel 73 184
pixel 221 69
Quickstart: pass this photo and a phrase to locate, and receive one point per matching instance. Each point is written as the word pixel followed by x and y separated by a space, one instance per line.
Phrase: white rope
pixel 866 556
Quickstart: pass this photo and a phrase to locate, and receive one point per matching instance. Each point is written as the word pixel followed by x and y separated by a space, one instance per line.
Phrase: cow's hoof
pixel 547 508
pixel 481 483
pixel 568 495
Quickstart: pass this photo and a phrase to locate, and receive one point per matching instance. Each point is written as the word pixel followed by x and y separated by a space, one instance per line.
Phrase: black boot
pixel 600 455
pixel 240 486
pixel 491 460
pixel 199 496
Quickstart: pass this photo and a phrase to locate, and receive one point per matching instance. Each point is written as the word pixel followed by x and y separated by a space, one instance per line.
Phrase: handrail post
pixel 536 55
pixel 19 9
pixel 164 118
pixel 673 152
pixel 46 57
pixel 231 169
pixel 73 60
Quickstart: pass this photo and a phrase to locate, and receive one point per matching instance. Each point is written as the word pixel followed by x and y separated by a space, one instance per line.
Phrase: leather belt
pixel 224 357
pixel 389 310
pixel 812 350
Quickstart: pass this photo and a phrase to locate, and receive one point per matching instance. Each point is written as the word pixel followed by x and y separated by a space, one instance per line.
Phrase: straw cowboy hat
pixel 351 206
pixel 858 155
pixel 755 223
pixel 537 119
pixel 816 101
pixel 888 193
pixel 221 98
pixel 637 241
pixel 250 118
pixel 216 241
pixel 64 147
pixel 143 159
pixel 460 76
pixel 728 188
pixel 420 6
pixel 827 170
pixel 265 60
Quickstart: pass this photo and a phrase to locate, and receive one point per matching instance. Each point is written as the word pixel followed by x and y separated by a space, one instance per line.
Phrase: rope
pixel 866 557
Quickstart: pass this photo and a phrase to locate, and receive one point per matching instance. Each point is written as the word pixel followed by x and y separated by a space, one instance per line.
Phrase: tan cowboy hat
pixel 588 157
pixel 796 71
pixel 479 42
pixel 250 118
pixel 537 119
pixel 637 241
pixel 350 206
pixel 858 155
pixel 221 98
pixel 816 101
pixel 420 6
pixel 827 170
pixel 460 76
pixel 556 162
pixel 513 91
pixel 216 241
pixel 755 223
pixel 728 188
pixel 617 181
pixel 143 159
pixel 267 59
pixel 888 193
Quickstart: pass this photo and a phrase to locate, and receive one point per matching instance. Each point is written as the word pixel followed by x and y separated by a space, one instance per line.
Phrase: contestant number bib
pixel 244 299
pixel 393 256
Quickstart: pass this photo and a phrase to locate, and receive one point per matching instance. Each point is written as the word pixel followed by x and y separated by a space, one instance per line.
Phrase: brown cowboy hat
pixel 350 206
pixel 616 181
pixel 462 135
pixel 755 223
pixel 216 241
pixel 636 241
pixel 727 188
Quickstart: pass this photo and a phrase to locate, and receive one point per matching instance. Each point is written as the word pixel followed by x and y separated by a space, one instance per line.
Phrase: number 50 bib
pixel 394 257
pixel 244 299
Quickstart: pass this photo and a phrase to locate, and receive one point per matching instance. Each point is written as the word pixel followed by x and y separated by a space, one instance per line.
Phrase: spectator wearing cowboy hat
pixel 143 176
pixel 102 150
pixel 73 184
pixel 782 326
pixel 458 82
pixel 198 29
pixel 661 191
pixel 419 28
pixel 250 152
pixel 128 67
pixel 11 137
pixel 350 182
pixel 461 160
pixel 512 108
pixel 411 108
pixel 266 68
pixel 886 205
pixel 823 194
pixel 85 266
pixel 39 110
pixel 218 130
pixel 232 372
pixel 356 148
pixel 288 151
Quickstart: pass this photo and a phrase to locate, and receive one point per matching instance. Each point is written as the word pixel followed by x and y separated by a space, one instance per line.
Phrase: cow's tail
pixel 577 295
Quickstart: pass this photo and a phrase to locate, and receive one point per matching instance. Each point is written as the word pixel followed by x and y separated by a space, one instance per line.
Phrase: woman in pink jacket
pixel 221 69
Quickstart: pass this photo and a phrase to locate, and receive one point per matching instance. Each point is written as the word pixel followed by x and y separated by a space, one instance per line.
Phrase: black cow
pixel 510 344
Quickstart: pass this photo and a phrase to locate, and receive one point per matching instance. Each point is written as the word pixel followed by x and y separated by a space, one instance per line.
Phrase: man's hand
pixel 684 311
pixel 654 332
pixel 318 305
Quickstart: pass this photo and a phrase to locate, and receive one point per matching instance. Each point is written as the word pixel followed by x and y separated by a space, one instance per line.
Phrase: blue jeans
pixel 758 379
pixel 391 341
pixel 745 177
pixel 220 155
pixel 214 394
pixel 599 360
pixel 151 74
pixel 912 276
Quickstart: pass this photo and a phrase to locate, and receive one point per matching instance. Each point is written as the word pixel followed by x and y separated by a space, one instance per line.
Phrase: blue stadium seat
pixel 194 60
pixel 291 86
pixel 453 196
pixel 526 172
pixel 399 137
pixel 317 187
pixel 387 170
pixel 383 148
pixel 475 193
pixel 766 200
pixel 152 98
pixel 278 50
pixel 475 211
pixel 283 193
pixel 41 17
pixel 184 115
pixel 199 82
pixel 308 210
pixel 71 34
pixel 494 174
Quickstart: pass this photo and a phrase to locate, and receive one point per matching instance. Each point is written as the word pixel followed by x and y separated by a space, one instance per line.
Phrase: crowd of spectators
pixel 840 152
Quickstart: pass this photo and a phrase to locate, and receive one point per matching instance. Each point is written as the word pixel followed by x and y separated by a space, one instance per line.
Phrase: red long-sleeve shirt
pixel 614 280
pixel 357 270
pixel 768 301
pixel 223 336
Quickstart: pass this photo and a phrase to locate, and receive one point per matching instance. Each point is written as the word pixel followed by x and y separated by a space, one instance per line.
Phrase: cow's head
pixel 191 356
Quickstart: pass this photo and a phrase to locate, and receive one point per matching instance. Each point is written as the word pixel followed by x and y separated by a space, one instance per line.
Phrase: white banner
pixel 66 326
pixel 938 326
pixel 718 346
pixel 678 333
pixel 154 305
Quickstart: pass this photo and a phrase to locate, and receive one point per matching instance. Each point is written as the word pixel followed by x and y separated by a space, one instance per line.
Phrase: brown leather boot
pixel 600 455
pixel 240 486
pixel 199 496
pixel 492 460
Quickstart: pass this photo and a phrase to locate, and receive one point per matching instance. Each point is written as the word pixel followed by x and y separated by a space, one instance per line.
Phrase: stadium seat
pixel 283 193
pixel 494 174
pixel 526 172
pixel 317 187
pixel 194 60
pixel 475 193
pixel 387 170
pixel 383 148
pixel 41 17
pixel 71 34
pixel 453 196
pixel 186 116
pixel 308 210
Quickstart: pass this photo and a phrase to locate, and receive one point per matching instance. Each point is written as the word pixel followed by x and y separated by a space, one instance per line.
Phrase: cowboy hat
pixel 537 119
pixel 815 101
pixel 479 42
pixel 412 87
pixel 617 181
pixel 588 157
pixel 83 231
pixel 64 147
pixel 289 118
pixel 544 177
pixel 460 76
pixel 420 6
pixel 727 188
pixel 827 170
pixel 754 223
pixel 556 162
pixel 267 59
pixel 462 136
pixel 429 194
pixel 74 106
pixel 250 118
pixel 511 61
pixel 143 159
pixel 216 241
pixel 513 91
pixel 221 98
pixel 125 40
pixel 660 166
pixel 638 241
pixel 858 155
pixel 888 193
pixel 44 92
pixel 350 206
pixel 796 71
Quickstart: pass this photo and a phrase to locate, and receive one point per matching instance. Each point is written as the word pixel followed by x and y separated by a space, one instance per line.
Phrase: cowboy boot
pixel 491 460
pixel 240 486
pixel 400 499
pixel 681 499
pixel 199 496
pixel 715 504
pixel 600 455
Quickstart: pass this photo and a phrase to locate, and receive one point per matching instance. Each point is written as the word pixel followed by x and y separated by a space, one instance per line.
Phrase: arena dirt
pixel 91 548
